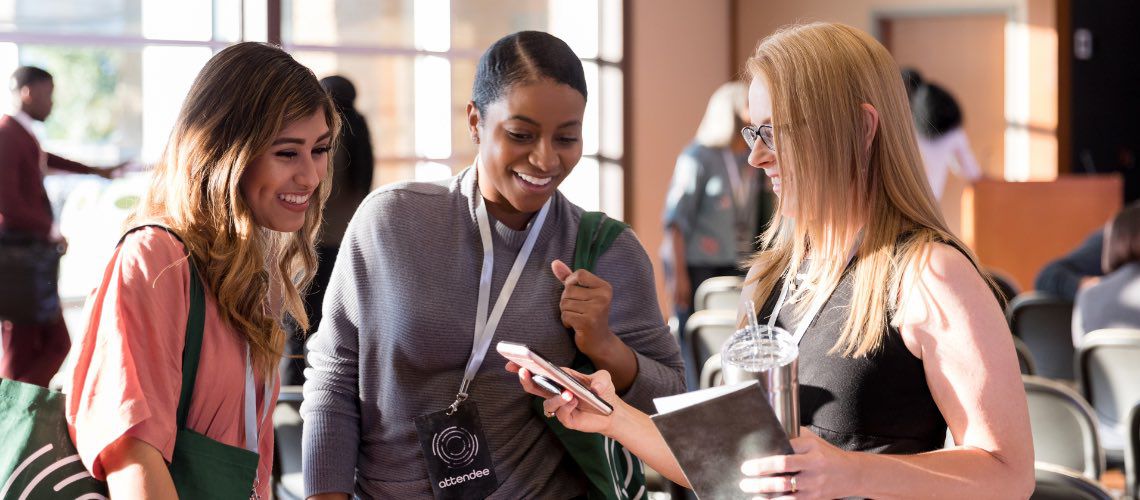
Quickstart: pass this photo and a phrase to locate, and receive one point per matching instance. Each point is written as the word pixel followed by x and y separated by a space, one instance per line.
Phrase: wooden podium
pixel 1018 227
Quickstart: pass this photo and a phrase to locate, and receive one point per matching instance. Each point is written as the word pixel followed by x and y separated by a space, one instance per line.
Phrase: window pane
pixel 9 61
pixel 97 116
pixel 611 30
pixel 576 23
pixel 347 22
pixel 228 19
pixel 385 90
pixel 167 74
pixel 159 19
pixel 612 113
pixel 462 78
pixel 581 187
pixel 163 19
pixel 433 25
pixel 613 190
pixel 590 126
pixel 476 24
pixel 94 17
pixel 433 107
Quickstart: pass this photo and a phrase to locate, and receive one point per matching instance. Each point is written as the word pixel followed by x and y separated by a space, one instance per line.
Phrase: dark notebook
pixel 713 431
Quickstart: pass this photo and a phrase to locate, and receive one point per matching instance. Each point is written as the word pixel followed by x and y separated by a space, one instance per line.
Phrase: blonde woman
pixel 240 187
pixel 716 202
pixel 909 340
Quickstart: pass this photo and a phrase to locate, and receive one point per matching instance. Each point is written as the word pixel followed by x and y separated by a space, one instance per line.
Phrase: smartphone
pixel 541 367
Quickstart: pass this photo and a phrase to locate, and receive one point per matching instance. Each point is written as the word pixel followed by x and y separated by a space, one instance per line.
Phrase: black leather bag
pixel 29 279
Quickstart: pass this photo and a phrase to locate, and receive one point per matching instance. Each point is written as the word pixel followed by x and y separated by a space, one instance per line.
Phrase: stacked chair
pixel 1084 403
pixel 1108 366
pixel 1044 324
pixel 1064 428
pixel 719 293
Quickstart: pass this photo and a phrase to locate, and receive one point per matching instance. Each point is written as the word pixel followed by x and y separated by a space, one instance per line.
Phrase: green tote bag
pixel 612 471
pixel 38 461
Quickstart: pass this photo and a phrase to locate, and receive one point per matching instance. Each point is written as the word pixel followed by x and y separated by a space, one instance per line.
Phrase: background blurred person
pixel 351 182
pixel 716 204
pixel 1113 301
pixel 1076 271
pixel 31 352
pixel 941 139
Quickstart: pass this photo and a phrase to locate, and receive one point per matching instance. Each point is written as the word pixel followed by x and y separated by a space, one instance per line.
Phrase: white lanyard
pixel 485 325
pixel 251 404
pixel 817 303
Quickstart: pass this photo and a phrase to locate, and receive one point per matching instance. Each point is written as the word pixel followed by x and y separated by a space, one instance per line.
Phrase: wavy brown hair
pixel 241 100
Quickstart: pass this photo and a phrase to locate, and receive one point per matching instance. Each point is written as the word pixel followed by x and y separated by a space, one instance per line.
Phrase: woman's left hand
pixel 585 305
pixel 820 470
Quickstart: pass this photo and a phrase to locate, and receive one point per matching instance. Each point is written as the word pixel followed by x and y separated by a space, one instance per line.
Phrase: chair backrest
pixel 1059 483
pixel 1132 455
pixel 1109 370
pixel 1025 359
pixel 706 332
pixel 712 373
pixel 720 292
pixel 1006 289
pixel 1064 429
pixel 1045 323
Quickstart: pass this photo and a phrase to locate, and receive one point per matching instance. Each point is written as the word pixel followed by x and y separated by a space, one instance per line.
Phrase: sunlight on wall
pixel 1016 101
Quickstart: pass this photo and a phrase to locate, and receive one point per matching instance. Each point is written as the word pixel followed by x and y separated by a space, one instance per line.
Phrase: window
pixel 413 65
pixel 123 67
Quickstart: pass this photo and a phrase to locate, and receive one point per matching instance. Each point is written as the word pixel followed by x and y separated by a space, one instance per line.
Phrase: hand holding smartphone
pixel 552 378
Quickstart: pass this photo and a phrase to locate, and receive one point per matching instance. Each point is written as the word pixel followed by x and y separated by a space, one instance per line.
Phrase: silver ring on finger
pixel 549 414
pixel 792 482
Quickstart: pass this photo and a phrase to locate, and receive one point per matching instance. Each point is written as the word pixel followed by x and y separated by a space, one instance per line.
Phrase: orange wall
pixel 678 55
pixel 1018 227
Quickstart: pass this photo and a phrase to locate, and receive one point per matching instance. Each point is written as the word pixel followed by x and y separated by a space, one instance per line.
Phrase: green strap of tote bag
pixel 612 471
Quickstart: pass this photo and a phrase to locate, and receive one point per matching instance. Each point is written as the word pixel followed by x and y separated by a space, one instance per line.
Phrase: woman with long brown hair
pixel 908 340
pixel 239 191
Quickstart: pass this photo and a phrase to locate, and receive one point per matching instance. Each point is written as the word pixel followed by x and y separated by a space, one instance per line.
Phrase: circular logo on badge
pixel 455 446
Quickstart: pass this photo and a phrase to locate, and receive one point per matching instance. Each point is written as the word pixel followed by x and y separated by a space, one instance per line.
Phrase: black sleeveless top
pixel 879 403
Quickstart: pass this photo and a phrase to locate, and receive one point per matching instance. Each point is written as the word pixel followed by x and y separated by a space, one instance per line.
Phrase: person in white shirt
pixel 941 140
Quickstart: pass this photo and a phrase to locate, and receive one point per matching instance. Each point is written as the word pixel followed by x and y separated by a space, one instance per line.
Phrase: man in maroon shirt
pixel 31 352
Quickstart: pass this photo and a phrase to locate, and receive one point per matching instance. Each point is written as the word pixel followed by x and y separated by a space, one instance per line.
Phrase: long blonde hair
pixel 819 75
pixel 719 127
pixel 241 100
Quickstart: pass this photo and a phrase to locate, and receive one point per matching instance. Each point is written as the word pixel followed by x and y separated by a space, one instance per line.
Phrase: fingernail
pixel 566 396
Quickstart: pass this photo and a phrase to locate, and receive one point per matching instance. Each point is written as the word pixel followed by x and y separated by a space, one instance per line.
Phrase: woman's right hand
pixel 566 406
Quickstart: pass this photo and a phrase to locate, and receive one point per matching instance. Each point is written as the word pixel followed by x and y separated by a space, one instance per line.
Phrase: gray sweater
pixel 399 317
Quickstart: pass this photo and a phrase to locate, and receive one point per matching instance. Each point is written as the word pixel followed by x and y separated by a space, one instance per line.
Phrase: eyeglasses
pixel 763 132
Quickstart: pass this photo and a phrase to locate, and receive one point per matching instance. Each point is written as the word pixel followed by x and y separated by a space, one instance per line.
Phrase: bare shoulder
pixel 943 298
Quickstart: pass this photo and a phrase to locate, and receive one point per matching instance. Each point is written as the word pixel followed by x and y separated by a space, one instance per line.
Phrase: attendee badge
pixel 458 459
